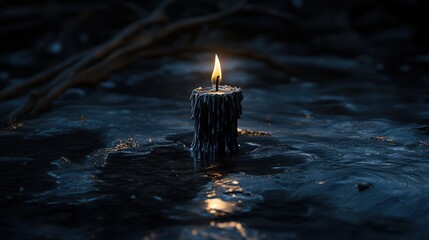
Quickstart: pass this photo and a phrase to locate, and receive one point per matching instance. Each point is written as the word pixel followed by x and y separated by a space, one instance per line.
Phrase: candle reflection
pixel 231 225
pixel 218 207
pixel 221 230
pixel 221 198
pixel 206 160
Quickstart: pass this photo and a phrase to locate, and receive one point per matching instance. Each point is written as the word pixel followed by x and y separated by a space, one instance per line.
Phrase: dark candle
pixel 215 111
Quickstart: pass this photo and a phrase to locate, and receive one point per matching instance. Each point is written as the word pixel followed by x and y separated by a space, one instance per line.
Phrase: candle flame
pixel 217 72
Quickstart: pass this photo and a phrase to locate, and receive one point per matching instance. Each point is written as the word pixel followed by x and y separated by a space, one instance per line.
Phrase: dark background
pixel 37 34
pixel 336 148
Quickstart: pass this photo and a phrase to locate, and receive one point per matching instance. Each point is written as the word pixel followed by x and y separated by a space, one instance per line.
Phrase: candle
pixel 215 111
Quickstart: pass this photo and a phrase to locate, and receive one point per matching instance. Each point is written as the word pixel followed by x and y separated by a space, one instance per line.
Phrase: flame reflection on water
pixel 231 226
pixel 218 207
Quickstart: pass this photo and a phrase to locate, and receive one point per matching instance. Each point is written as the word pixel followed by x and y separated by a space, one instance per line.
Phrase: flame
pixel 216 71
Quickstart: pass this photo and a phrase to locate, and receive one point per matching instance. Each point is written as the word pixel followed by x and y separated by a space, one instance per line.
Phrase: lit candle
pixel 215 111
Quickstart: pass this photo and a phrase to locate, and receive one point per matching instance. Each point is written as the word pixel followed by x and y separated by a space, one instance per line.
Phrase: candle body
pixel 216 114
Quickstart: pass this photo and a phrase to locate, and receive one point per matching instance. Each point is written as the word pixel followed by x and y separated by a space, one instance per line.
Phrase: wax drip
pixel 215 118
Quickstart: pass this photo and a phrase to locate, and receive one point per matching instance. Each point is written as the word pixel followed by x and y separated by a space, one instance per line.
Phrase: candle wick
pixel 217 83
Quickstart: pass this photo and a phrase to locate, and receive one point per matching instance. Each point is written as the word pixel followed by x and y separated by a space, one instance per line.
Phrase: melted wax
pixel 215 115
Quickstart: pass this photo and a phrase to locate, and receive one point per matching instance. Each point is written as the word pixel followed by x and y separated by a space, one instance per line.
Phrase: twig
pixel 118 53
pixel 19 89
pixel 102 70
pixel 99 72
pixel 63 78
pixel 174 28
pixel 42 99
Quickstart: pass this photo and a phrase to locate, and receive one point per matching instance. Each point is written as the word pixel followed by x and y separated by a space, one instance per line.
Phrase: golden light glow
pixel 216 71
pixel 231 225
pixel 218 207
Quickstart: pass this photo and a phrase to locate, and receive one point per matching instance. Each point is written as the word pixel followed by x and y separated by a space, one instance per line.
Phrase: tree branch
pixel 94 55
pixel 19 89
pixel 94 65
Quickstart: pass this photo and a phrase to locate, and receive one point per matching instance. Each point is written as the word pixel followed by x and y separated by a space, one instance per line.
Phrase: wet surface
pixel 341 150
pixel 330 155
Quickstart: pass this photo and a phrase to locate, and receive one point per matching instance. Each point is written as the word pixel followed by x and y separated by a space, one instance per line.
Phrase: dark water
pixel 346 157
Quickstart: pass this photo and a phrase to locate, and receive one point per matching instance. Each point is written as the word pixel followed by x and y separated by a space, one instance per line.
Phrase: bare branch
pixel 94 55
pixel 175 28
pixel 21 88
pixel 119 52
